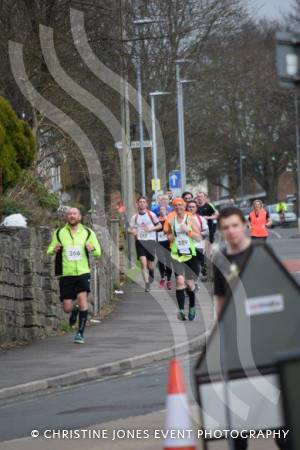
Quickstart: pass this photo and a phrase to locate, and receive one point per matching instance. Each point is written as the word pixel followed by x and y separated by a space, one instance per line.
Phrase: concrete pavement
pixel 142 329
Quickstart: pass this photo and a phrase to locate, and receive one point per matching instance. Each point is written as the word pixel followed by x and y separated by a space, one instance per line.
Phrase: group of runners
pixel 175 231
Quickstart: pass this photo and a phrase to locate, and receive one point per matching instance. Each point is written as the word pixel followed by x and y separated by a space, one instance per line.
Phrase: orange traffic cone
pixel 178 429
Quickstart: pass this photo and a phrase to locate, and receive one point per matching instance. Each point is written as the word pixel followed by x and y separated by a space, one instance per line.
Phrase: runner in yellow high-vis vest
pixel 72 245
pixel 183 230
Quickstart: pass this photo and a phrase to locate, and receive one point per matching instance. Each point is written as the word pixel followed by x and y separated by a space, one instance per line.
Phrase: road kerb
pixel 98 372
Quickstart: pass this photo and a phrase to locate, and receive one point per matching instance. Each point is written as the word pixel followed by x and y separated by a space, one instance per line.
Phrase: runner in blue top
pixel 162 200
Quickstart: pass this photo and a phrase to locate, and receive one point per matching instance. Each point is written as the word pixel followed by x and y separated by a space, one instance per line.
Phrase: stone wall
pixel 29 302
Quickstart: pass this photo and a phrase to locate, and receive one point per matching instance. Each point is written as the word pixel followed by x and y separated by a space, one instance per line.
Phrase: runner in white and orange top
pixel 143 227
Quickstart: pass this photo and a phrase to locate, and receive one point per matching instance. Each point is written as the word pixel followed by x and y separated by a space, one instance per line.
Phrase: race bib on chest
pixel 183 244
pixel 74 253
pixel 161 236
pixel 142 235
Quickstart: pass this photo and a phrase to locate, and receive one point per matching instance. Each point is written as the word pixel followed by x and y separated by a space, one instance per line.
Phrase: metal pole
pixel 183 143
pixel 128 184
pixel 242 176
pixel 298 152
pixel 181 134
pixel 154 145
pixel 141 124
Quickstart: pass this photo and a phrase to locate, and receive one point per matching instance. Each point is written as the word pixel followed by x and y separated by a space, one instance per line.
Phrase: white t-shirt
pixel 200 245
pixel 138 220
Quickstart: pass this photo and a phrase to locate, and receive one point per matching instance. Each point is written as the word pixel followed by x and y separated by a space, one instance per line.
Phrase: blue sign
pixel 175 179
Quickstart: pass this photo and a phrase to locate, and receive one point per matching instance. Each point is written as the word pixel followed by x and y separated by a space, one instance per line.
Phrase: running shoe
pixel 73 316
pixel 169 285
pixel 147 287
pixel 79 339
pixel 162 283
pixel 192 313
pixel 181 316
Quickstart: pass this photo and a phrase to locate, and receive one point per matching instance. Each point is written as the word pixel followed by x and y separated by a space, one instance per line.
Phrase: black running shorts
pixel 189 269
pixel 71 286
pixel 146 248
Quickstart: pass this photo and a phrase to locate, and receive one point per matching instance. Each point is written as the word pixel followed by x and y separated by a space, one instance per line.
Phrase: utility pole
pixel 126 159
pixel 154 146
pixel 140 111
pixel 181 126
pixel 140 23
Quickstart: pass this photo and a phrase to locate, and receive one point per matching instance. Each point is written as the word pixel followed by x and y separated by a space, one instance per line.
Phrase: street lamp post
pixel 288 71
pixel 154 140
pixel 141 22
pixel 181 130
pixel 141 123
pixel 181 125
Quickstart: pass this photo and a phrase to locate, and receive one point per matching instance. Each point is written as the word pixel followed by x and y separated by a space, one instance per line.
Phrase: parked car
pixel 289 216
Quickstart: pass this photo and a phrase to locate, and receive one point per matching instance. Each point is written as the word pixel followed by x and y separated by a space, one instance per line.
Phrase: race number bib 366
pixel 74 253
pixel 183 244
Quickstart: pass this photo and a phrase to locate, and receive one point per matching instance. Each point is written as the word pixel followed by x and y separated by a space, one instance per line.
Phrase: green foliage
pixel 17 145
pixel 66 328
pixel 44 198
pixel 10 206
pixel 49 201
pixel 31 198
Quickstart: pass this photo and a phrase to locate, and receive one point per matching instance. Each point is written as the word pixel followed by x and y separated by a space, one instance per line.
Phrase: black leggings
pixel 164 259
pixel 212 230
pixel 202 261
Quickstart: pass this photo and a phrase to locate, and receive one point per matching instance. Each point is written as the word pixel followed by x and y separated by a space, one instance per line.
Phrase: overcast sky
pixel 271 9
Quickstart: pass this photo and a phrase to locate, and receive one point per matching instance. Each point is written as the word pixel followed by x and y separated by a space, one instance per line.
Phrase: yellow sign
pixel 155 184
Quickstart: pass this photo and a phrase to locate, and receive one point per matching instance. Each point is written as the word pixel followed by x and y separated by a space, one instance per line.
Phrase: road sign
pixel 155 184
pixel 134 144
pixel 175 179
pixel 137 144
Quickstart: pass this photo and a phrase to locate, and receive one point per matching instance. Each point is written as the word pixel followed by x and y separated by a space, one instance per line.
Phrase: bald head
pixel 73 216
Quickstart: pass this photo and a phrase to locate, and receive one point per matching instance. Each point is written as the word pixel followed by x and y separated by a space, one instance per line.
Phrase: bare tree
pixel 240 108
